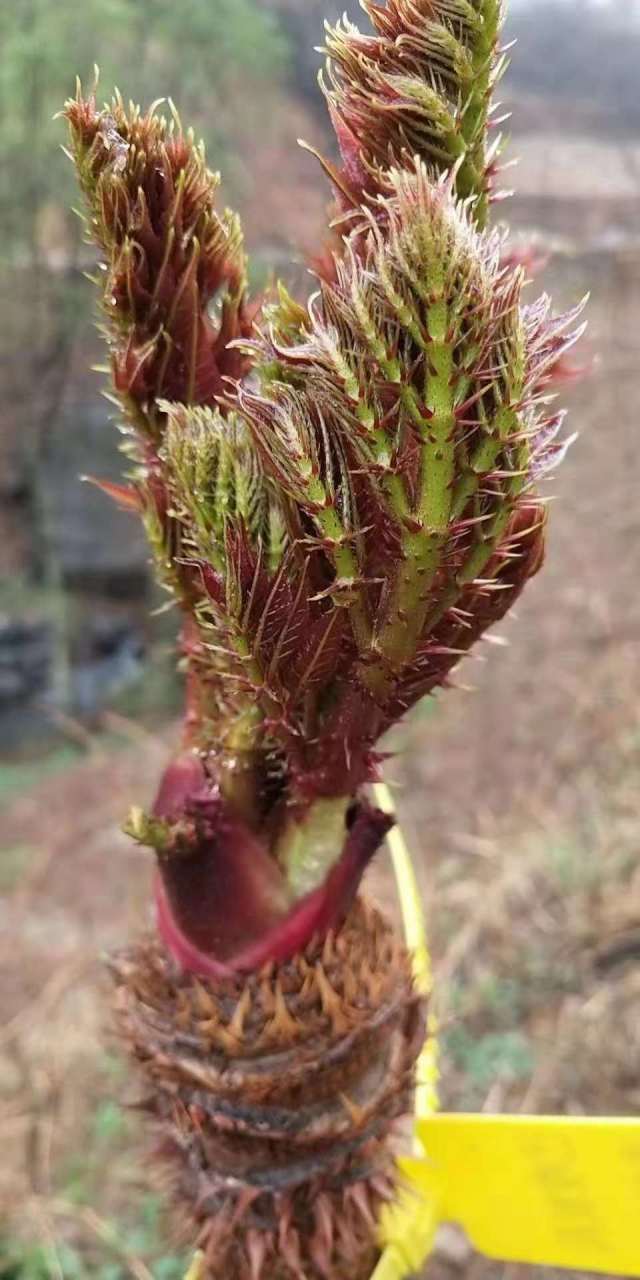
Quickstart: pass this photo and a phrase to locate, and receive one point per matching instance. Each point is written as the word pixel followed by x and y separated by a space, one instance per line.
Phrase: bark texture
pixel 275 1097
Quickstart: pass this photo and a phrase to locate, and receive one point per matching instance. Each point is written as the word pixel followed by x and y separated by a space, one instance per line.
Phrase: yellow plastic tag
pixel 196 1270
pixel 415 931
pixel 408 1227
pixel 560 1192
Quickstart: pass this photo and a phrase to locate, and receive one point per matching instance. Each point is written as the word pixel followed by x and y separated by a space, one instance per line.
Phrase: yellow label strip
pixel 196 1270
pixel 408 1227
pixel 557 1192
pixel 415 931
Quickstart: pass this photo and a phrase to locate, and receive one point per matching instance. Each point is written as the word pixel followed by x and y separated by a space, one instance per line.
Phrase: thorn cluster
pixel 403 421
pixel 173 278
pixel 275 1095
pixel 422 85
pixel 342 497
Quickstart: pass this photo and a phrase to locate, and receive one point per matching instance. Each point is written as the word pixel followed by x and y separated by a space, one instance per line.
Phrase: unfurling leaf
pixel 341 496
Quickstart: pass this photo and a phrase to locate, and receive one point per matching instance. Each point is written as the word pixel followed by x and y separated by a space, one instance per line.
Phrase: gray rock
pixel 27 652
pixel 95 544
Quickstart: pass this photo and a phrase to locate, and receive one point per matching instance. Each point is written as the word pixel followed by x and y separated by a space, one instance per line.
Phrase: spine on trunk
pixel 341 496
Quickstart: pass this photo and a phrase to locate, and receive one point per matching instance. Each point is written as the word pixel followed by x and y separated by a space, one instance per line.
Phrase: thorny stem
pixel 472 179
pixel 422 549
pixel 323 487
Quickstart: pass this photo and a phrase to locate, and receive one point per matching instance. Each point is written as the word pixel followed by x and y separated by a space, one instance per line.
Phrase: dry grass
pixel 521 806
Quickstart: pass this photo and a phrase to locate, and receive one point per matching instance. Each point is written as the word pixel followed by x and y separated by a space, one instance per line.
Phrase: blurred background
pixel 519 798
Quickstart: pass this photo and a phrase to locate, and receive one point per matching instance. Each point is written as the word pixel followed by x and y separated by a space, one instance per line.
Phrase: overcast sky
pixel 596 4
pixel 624 8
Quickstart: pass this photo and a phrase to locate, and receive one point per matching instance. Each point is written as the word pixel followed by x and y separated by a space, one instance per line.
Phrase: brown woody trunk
pixel 276 1095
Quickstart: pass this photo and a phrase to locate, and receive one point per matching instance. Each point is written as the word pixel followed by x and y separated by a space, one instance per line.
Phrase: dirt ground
pixel 520 803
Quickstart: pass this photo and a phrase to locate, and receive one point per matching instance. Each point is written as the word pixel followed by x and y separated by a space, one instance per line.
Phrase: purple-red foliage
pixel 174 287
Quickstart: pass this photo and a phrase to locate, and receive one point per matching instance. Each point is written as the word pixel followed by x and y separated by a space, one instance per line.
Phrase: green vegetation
pixel 217 60
pixel 20 777
pixel 196 51
pixel 506 1055
pixel 41 1262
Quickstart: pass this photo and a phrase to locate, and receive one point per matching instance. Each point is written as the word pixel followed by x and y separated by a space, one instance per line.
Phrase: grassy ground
pixel 520 803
